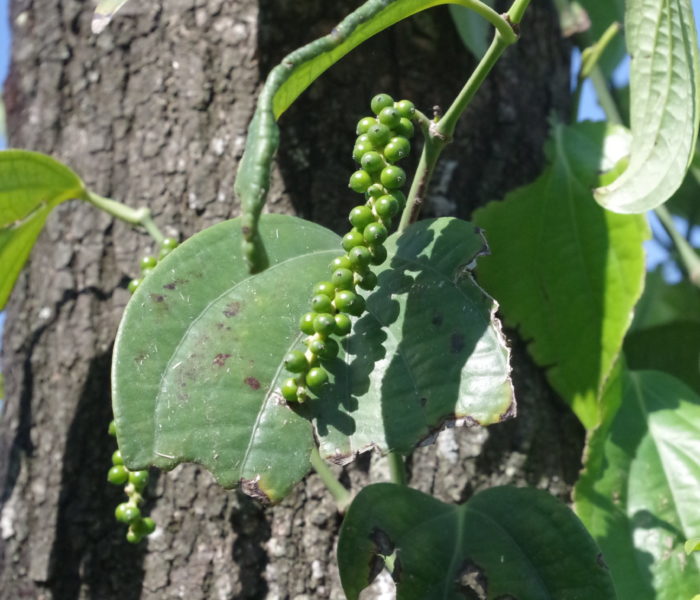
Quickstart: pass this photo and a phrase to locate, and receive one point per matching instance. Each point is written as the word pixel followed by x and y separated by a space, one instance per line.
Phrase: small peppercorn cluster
pixel 148 263
pixel 382 141
pixel 134 483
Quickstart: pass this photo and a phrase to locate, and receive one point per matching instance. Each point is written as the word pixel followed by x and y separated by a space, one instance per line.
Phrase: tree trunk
pixel 154 112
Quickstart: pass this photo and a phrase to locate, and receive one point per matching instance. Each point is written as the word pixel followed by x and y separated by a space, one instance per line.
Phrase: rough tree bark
pixel 154 111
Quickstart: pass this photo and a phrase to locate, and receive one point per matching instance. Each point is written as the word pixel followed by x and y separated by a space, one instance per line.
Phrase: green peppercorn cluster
pixel 134 483
pixel 382 141
pixel 148 263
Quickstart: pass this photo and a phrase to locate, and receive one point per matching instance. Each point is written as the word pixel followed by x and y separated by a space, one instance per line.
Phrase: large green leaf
pixel 428 350
pixel 565 271
pixel 105 11
pixel 293 75
pixel 665 85
pixel 504 542
pixel 638 494
pixel 198 357
pixel 31 185
pixel 472 28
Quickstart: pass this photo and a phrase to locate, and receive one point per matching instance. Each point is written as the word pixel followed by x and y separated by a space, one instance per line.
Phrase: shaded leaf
pixel 664 82
pixel 429 350
pixel 565 271
pixel 31 185
pixel 663 303
pixel 473 29
pixel 105 11
pixel 639 489
pixel 198 357
pixel 505 541
pixel 292 76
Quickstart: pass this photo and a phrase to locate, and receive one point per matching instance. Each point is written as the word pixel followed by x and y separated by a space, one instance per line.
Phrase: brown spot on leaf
pixel 510 412
pixel 423 401
pixel 173 284
pixel 232 309
pixel 252 488
pixel 220 359
pixel 456 343
pixel 437 319
pixel 252 383
pixel 157 298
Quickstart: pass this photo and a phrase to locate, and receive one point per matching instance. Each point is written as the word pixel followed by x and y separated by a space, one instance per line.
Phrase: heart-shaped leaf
pixel 31 185
pixel 638 494
pixel 560 260
pixel 665 111
pixel 428 350
pixel 505 542
pixel 198 357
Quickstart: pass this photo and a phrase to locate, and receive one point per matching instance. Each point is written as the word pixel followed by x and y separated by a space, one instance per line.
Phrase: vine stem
pixel 688 257
pixel 341 496
pixel 397 468
pixel 133 216
pixel 438 134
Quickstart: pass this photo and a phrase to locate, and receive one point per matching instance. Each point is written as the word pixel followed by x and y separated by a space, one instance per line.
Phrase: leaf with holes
pixel 665 111
pixel 31 185
pixel 564 270
pixel 505 542
pixel 427 352
pixel 638 494
pixel 198 357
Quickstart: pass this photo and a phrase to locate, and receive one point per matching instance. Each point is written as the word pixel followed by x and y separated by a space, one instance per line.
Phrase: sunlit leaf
pixel 564 270
pixel 665 85
pixel 638 494
pixel 105 11
pixel 504 542
pixel 31 185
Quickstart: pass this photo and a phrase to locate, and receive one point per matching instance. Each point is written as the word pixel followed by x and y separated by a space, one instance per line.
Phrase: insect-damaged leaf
pixel 199 355
pixel 505 542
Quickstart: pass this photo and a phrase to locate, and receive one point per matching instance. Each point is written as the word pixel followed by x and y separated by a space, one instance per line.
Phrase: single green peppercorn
pixel 316 378
pixel 351 239
pixel 148 262
pixel 169 243
pixel 340 262
pixel 349 302
pixel 359 257
pixel 386 206
pixel 404 128
pixel 360 217
pixel 381 101
pixel 290 390
pixel 147 525
pixel 306 323
pixel 324 324
pixel 378 254
pixel 375 190
pixel 127 513
pixel 295 362
pixel 364 124
pixel 368 281
pixel 330 348
pixel 117 458
pixel 397 148
pixel 379 134
pixel 405 108
pixel 389 117
pixel 372 162
pixel 138 479
pixel 360 149
pixel 360 181
pixel 361 139
pixel 133 537
pixel 321 304
pixel 343 324
pixel 112 429
pixel 118 475
pixel 342 278
pixel 393 177
pixel 375 233
pixel 400 198
pixel 133 285
pixel 324 287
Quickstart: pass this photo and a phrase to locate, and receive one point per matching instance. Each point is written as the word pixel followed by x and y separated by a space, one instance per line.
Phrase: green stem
pixel 501 24
pixel 517 10
pixel 397 468
pixel 688 257
pixel 341 496
pixel 607 102
pixel 133 216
